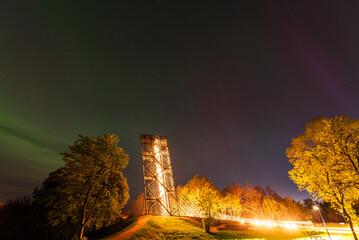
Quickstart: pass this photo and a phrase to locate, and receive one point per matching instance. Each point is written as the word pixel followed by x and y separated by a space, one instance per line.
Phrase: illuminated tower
pixel 160 192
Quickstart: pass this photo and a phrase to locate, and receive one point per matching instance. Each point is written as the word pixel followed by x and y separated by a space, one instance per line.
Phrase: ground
pixel 161 227
pixel 128 232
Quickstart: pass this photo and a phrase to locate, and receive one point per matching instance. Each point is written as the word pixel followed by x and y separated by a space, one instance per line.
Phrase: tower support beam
pixel 160 194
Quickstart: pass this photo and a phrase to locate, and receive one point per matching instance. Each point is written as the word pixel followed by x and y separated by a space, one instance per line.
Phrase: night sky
pixel 230 83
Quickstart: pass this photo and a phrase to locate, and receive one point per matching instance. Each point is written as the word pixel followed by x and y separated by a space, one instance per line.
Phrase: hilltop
pixel 162 227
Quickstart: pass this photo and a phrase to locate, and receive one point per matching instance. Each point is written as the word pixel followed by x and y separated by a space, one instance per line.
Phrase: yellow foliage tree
pixel 252 201
pixel 294 210
pixel 202 193
pixel 232 200
pixel 325 162
pixel 271 207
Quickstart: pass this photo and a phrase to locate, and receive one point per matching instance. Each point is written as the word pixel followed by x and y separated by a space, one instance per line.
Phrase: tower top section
pixel 148 136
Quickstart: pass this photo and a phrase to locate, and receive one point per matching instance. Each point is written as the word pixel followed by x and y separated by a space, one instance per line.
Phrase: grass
pixel 161 227
pixel 108 232
pixel 178 228
pixel 170 228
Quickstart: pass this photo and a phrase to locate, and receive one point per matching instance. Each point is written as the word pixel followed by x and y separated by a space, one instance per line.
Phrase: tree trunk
pixel 349 221
pixel 352 228
pixel 82 231
pixel 83 214
pixel 83 221
pixel 208 228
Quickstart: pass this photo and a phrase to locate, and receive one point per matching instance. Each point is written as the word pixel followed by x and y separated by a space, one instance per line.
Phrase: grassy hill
pixel 160 227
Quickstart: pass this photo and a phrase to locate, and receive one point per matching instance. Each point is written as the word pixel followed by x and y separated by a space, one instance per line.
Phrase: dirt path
pixel 128 233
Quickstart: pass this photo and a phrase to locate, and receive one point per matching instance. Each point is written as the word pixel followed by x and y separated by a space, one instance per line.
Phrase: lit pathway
pixel 335 229
pixel 127 234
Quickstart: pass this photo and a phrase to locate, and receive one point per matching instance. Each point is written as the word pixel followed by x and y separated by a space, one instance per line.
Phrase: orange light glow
pixel 160 176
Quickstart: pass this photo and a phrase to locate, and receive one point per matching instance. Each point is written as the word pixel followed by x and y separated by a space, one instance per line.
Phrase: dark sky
pixel 230 83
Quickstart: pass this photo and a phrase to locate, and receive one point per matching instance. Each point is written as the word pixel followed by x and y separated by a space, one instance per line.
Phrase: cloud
pixel 36 138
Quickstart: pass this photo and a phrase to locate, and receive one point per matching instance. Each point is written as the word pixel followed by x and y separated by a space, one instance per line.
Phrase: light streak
pixel 293 226
pixel 277 224
pixel 287 225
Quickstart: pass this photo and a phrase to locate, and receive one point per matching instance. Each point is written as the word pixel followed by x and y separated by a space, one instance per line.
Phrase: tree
pixel 252 201
pixel 19 219
pixel 137 207
pixel 325 162
pixel 90 190
pixel 202 193
pixel 271 206
pixel 232 200
pixel 294 210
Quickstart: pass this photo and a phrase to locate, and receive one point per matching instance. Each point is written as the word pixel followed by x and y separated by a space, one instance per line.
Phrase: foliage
pixel 294 209
pixel 137 207
pixel 90 190
pixel 246 202
pixel 329 214
pixel 202 193
pixel 252 202
pixel 271 206
pixel 231 202
pixel 325 162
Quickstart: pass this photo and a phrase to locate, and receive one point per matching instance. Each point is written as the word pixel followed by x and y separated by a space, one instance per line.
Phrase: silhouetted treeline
pixel 23 218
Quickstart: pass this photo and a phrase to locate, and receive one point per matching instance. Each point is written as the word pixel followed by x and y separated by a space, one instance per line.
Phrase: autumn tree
pixel 325 162
pixel 202 193
pixel 252 201
pixel 90 190
pixel 271 207
pixel 232 199
pixel 294 210
pixel 137 207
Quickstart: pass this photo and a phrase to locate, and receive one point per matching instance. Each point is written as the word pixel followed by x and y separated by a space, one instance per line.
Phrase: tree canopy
pixel 325 162
pixel 201 192
pixel 231 201
pixel 90 190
